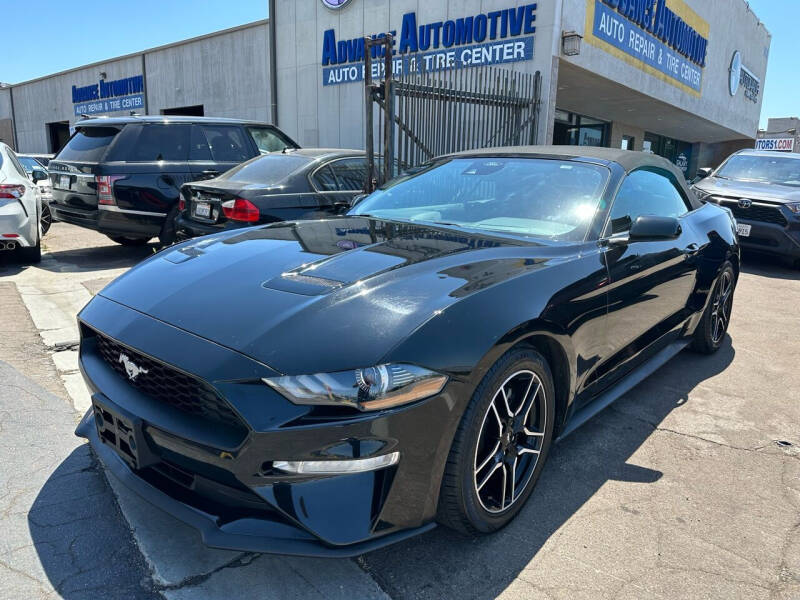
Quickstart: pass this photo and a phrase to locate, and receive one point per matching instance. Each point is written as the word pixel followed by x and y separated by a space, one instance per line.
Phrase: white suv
pixel 20 209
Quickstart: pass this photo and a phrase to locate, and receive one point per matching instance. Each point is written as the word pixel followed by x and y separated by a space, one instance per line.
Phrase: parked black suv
pixel 122 176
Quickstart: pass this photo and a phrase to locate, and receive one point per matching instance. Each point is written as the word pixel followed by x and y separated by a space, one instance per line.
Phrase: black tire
pixel 46 218
pixel 168 233
pixel 461 505
pixel 711 330
pixel 128 241
pixel 32 254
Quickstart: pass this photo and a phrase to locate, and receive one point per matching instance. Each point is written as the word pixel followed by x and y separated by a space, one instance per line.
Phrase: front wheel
pixel 501 445
pixel 714 325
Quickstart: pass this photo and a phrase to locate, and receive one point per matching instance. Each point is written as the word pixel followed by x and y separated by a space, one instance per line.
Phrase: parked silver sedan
pixel 20 208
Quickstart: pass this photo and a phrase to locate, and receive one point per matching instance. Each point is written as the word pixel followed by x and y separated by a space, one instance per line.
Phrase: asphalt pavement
pixel 688 487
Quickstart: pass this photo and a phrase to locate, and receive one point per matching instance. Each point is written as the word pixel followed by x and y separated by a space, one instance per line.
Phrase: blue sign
pixel 635 41
pixel 493 53
pixel 109 96
pixel 490 38
pixel 96 107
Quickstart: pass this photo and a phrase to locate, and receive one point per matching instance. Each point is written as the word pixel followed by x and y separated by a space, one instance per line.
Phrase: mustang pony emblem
pixel 133 370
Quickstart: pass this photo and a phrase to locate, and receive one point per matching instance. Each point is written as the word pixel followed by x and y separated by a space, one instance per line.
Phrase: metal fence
pixel 423 110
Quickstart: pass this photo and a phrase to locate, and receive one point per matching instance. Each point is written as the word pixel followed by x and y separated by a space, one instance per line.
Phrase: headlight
pixel 373 388
pixel 702 195
pixel 794 207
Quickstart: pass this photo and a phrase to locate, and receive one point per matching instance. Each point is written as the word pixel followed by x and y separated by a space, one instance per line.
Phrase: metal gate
pixel 425 109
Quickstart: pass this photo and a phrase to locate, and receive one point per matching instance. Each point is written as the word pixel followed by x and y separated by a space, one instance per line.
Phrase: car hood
pixel 754 190
pixel 313 296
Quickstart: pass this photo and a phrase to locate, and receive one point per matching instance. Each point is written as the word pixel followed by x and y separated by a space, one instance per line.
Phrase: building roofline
pixel 144 52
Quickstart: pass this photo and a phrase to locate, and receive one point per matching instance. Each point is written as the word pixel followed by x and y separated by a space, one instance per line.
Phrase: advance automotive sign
pixel 496 37
pixel 776 144
pixel 655 36
pixel 109 96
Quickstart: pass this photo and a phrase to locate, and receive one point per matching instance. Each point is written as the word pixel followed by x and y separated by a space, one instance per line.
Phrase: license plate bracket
pixel 123 432
pixel 202 209
pixel 743 229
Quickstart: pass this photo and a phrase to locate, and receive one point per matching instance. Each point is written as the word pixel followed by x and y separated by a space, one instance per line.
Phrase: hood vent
pixel 306 285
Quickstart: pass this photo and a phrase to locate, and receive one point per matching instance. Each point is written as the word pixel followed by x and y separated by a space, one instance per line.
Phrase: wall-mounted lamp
pixel 102 74
pixel 571 43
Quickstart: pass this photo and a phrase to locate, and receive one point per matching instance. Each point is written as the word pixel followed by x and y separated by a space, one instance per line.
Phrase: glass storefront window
pixel 677 152
pixel 571 129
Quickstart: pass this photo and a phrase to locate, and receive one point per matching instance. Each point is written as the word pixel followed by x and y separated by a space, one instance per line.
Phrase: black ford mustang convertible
pixel 328 387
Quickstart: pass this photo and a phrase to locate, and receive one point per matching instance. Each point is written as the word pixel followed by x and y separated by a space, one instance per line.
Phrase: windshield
pixel 30 163
pixel 528 196
pixel 771 169
pixel 267 169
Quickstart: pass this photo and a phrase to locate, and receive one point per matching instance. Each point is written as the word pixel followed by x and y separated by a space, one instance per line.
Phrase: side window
pixel 161 142
pixel 324 179
pixel 646 192
pixel 198 145
pixel 351 173
pixel 227 143
pixel 15 161
pixel 267 140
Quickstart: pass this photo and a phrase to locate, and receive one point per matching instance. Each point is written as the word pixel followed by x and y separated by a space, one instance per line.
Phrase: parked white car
pixel 32 163
pixel 20 209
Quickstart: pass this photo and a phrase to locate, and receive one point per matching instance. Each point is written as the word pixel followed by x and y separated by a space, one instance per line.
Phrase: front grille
pixel 756 212
pixel 166 384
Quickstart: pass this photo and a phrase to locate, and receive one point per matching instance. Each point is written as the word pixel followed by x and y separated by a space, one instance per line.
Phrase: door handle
pixel 210 173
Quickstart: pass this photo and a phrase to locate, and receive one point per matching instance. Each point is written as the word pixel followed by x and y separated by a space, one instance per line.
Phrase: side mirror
pixel 648 228
pixel 704 172
pixel 356 199
pixel 38 175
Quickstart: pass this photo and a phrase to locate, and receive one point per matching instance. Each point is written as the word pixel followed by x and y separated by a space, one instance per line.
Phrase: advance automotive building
pixel 681 78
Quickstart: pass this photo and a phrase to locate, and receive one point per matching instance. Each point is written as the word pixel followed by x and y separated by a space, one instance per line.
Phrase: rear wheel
pixel 128 241
pixel 168 234
pixel 501 445
pixel 714 325
pixel 46 218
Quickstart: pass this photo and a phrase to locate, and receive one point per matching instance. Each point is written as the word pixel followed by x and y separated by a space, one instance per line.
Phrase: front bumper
pixel 249 535
pixel 219 480
pixel 771 238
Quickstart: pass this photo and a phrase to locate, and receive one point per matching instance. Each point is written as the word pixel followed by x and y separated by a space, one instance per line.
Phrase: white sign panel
pixel 776 144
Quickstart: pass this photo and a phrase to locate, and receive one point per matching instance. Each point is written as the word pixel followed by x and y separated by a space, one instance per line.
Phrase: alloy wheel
pixel 510 441
pixel 721 309
pixel 46 220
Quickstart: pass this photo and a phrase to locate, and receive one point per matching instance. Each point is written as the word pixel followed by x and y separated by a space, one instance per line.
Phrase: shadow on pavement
pixel 444 564
pixel 81 539
pixel 768 266
pixel 81 260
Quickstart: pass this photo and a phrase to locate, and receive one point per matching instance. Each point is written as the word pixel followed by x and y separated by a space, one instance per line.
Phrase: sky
pixel 57 39
pixel 52 35
pixel 782 86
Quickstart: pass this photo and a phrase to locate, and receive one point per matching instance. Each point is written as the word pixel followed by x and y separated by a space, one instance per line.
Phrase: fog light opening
pixel 337 467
